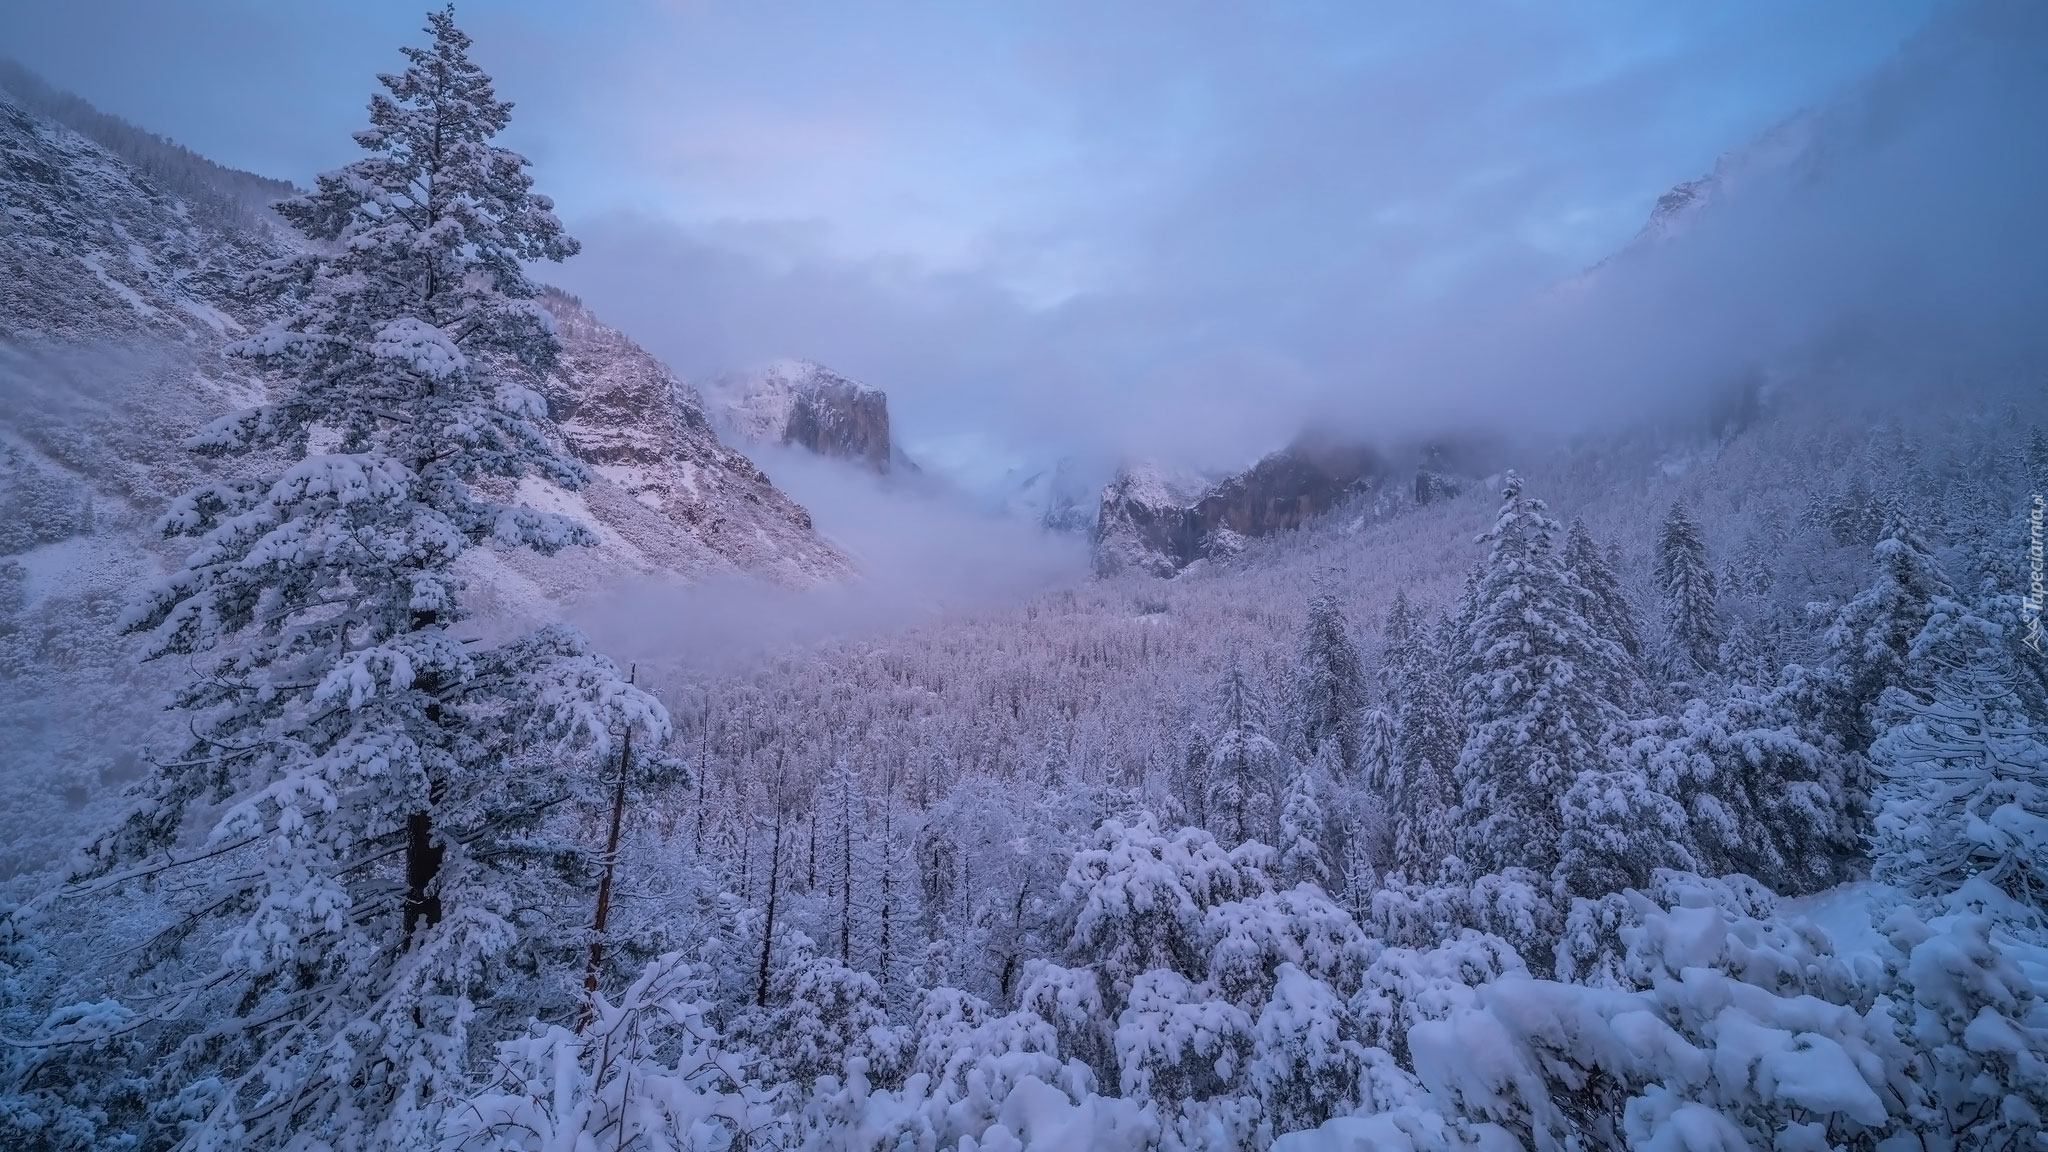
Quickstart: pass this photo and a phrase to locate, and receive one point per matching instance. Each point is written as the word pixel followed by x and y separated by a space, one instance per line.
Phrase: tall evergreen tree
pixel 1606 607
pixel 1329 685
pixel 1304 855
pixel 1243 774
pixel 1403 636
pixel 1872 635
pixel 372 782
pixel 1690 593
pixel 1428 734
pixel 1534 667
pixel 1964 768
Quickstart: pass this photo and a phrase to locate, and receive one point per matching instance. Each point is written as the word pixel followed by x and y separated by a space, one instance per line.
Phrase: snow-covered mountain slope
pixel 663 482
pixel 102 255
pixel 809 406
pixel 1142 524
pixel 1943 86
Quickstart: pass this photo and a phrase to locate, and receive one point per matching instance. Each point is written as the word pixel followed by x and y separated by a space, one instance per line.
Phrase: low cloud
pixel 924 554
pixel 1899 224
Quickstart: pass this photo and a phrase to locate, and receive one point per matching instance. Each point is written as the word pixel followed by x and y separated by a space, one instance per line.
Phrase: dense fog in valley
pixel 1158 604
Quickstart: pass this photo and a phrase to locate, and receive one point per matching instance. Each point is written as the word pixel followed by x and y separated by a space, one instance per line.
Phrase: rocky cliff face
pixel 664 485
pixel 809 406
pixel 1158 523
pixel 1146 523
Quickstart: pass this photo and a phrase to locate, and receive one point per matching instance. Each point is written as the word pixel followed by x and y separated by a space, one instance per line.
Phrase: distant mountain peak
pixel 804 404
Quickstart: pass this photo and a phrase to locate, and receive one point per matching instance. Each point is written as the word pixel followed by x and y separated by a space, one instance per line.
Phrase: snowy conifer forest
pixel 1674 784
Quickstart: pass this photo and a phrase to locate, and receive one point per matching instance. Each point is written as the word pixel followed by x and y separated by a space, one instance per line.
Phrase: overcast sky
pixel 1119 226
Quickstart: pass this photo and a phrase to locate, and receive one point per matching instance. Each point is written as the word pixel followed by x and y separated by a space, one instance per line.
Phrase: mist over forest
pixel 1168 579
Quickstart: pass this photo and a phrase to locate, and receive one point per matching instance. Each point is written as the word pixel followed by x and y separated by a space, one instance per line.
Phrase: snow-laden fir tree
pixel 1329 685
pixel 1427 737
pixel 369 784
pixel 1243 772
pixel 1872 634
pixel 1606 606
pixel 1533 669
pixel 1404 636
pixel 1962 822
pixel 2002 564
pixel 1758 796
pixel 1964 768
pixel 1691 595
pixel 1304 851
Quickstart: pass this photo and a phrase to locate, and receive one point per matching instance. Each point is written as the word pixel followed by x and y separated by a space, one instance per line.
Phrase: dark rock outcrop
pixel 809 406
pixel 1159 523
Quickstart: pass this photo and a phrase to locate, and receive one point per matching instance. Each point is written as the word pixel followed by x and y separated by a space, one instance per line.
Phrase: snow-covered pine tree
pixel 1427 737
pixel 1243 772
pixel 1691 594
pixel 371 782
pixel 1533 670
pixel 843 806
pixel 1618 830
pixel 1758 797
pixel 1606 606
pixel 1404 636
pixel 1962 823
pixel 1304 857
pixel 1329 685
pixel 1872 634
pixel 1964 769
pixel 1379 765
pixel 2004 579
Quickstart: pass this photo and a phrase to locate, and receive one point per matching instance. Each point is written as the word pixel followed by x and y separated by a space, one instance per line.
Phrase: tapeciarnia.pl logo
pixel 2037 587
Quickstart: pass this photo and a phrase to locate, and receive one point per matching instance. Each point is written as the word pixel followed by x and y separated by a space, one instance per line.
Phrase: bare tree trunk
pixel 774 872
pixel 422 867
pixel 604 882
pixel 888 827
pixel 423 855
pixel 846 875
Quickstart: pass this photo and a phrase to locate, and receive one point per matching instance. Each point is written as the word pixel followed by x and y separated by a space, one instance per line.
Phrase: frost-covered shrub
pixel 1405 986
pixel 1252 939
pixel 1180 1041
pixel 957 1038
pixel 648 1071
pixel 1724 1026
pixel 1974 1007
pixel 1635 939
pixel 1029 1115
pixel 1069 1000
pixel 1515 905
pixel 822 1013
pixel 1308 1063
pixel 1139 899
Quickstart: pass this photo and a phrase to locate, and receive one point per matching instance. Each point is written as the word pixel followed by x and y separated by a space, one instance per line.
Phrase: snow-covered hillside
pixel 104 257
